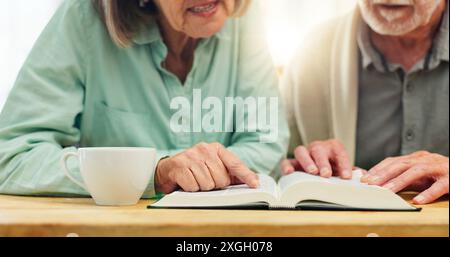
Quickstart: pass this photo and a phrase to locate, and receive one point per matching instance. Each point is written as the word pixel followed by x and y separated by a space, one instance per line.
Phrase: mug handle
pixel 64 159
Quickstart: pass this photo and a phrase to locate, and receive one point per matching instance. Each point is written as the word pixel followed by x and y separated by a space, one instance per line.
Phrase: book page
pixel 296 177
pixel 305 190
pixel 236 195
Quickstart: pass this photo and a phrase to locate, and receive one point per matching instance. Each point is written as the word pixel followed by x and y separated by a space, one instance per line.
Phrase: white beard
pixel 388 26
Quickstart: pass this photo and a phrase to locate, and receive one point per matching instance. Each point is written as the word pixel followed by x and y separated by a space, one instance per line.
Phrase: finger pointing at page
pixel 237 169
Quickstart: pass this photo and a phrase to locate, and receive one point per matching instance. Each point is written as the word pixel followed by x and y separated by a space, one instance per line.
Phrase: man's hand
pixel 324 158
pixel 422 171
pixel 203 167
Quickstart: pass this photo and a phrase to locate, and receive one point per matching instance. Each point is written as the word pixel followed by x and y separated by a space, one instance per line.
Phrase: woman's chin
pixel 206 31
pixel 207 35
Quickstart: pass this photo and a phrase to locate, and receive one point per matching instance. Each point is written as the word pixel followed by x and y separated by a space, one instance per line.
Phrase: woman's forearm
pixel 33 168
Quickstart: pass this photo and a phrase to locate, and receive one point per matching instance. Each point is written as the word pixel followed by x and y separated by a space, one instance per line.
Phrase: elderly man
pixel 371 90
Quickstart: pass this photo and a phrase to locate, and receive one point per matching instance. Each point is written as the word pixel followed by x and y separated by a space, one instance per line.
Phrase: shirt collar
pixel 151 33
pixel 441 41
pixel 148 34
pixel 371 56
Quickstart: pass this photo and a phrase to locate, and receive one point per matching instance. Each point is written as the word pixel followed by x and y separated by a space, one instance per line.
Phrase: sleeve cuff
pixel 150 191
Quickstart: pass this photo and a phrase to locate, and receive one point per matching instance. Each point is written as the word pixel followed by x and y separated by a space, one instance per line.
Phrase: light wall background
pixel 288 22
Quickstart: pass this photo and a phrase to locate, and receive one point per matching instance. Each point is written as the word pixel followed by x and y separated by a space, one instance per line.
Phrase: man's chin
pixel 392 28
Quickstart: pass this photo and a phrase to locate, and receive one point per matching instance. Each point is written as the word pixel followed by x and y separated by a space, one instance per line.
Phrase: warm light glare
pixel 283 43
pixel 289 23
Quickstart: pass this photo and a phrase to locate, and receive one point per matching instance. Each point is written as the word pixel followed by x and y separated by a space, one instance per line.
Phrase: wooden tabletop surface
pixel 32 216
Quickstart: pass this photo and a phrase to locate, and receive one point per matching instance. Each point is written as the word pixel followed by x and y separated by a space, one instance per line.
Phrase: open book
pixel 296 191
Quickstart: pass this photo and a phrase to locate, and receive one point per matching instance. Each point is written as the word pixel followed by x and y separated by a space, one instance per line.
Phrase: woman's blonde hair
pixel 123 19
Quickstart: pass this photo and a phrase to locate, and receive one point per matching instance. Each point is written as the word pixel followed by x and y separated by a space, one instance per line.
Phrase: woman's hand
pixel 324 158
pixel 422 171
pixel 203 167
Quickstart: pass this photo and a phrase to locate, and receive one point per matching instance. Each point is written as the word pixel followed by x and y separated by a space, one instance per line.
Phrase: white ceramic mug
pixel 113 176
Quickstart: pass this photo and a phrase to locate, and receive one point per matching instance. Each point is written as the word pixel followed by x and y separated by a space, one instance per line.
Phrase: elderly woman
pixel 104 73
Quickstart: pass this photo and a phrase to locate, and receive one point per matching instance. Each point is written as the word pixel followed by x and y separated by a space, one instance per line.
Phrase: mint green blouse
pixel 78 89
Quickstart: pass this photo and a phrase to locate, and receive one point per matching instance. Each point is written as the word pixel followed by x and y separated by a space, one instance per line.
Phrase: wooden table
pixel 29 216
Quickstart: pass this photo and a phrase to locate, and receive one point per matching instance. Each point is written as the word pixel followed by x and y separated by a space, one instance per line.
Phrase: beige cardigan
pixel 320 87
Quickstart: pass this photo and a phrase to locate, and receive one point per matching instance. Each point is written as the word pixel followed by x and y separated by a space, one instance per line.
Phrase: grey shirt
pixel 401 113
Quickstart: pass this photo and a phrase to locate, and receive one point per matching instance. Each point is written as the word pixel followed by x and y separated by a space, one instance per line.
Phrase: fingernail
pixel 419 199
pixel 311 169
pixel 325 172
pixel 373 179
pixel 255 183
pixel 365 178
pixel 288 171
pixel 347 174
pixel 390 186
